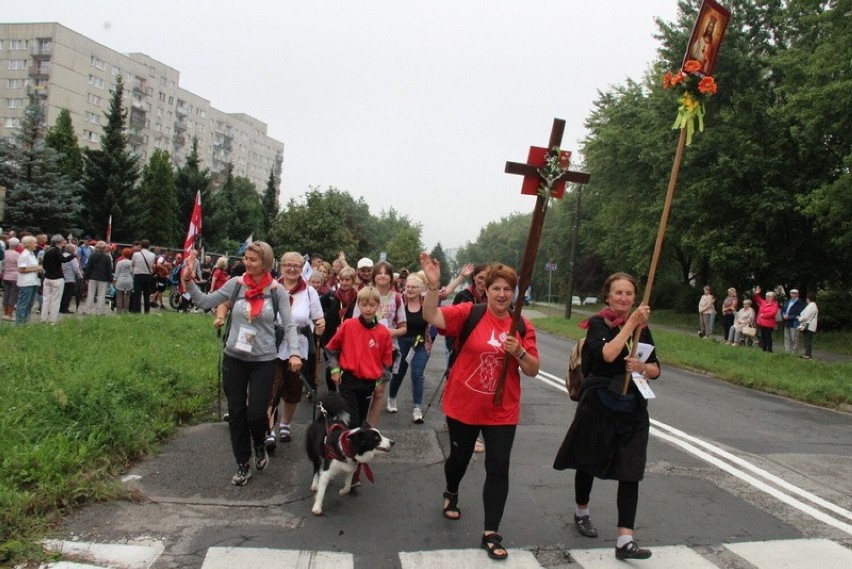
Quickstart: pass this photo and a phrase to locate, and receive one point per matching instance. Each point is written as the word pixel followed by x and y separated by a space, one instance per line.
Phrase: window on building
pixel 12 122
pixel 14 103
pixel 171 100
pixel 99 63
pixel 162 97
pixel 94 100
pixel 116 71
pixel 17 64
pixel 93 118
pixel 17 44
pixel 96 81
pixel 16 83
pixel 163 81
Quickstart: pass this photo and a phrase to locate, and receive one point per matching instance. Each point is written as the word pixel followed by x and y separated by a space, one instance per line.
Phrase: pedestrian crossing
pixel 776 554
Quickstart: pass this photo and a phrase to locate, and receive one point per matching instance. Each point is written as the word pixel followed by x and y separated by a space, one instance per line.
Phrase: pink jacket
pixel 10 265
pixel 766 313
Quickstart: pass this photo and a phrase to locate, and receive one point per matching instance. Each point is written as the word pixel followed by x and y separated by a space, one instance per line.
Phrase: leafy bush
pixel 84 398
pixel 835 311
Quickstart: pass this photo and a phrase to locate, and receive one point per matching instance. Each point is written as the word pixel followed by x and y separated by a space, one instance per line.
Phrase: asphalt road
pixel 736 479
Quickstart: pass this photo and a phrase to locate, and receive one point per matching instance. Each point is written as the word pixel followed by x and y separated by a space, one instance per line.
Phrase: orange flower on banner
pixel 707 85
pixel 692 66
pixel 694 89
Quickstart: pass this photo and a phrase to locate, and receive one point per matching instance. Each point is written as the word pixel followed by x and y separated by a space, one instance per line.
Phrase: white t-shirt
pixel 28 260
pixel 304 308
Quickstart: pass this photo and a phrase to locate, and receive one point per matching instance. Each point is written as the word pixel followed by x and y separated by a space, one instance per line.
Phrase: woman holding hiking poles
pixel 250 352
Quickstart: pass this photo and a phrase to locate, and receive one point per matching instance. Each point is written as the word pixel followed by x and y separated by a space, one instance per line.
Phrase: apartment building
pixel 64 69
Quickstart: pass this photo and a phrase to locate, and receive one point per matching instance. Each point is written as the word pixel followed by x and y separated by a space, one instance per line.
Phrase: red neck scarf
pixel 613 318
pixel 298 287
pixel 346 298
pixel 254 292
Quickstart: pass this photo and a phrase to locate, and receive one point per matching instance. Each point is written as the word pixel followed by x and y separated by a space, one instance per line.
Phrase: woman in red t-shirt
pixel 469 396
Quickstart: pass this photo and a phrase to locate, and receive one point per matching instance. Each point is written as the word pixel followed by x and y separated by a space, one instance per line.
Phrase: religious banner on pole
pixel 109 230
pixel 194 230
pixel 695 84
pixel 545 175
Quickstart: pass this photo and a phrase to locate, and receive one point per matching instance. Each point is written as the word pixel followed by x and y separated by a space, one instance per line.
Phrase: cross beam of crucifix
pixel 533 171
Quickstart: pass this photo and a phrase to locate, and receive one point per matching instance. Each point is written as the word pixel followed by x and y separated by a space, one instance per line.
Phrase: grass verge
pixel 811 381
pixel 80 400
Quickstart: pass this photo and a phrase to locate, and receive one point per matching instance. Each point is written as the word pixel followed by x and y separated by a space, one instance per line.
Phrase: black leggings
pixel 248 387
pixel 498 443
pixel 627 500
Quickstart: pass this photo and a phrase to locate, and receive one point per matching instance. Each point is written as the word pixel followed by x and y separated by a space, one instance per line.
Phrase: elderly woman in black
pixel 608 438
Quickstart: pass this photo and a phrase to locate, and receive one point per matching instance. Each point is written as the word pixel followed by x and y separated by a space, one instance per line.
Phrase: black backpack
pixel 476 314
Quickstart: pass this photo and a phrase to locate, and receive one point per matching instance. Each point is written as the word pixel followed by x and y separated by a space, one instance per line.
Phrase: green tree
pixel 109 174
pixel 269 205
pixel 438 254
pixel 325 222
pixel 40 196
pixel 404 248
pixel 247 211
pixel 62 138
pixel 189 180
pixel 157 201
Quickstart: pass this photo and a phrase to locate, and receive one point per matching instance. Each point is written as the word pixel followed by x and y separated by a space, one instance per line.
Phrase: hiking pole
pixel 437 391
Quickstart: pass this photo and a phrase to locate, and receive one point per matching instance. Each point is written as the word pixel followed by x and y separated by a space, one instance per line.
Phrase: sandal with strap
pixel 493 545
pixel 452 506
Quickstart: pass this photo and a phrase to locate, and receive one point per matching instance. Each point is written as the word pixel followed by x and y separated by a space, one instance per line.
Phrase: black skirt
pixel 607 444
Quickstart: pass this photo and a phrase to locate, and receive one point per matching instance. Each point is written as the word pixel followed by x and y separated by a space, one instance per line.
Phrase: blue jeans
pixel 26 299
pixel 418 367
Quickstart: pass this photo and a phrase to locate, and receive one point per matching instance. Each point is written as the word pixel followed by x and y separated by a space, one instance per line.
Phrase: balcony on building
pixel 139 85
pixel 40 68
pixel 38 91
pixel 42 50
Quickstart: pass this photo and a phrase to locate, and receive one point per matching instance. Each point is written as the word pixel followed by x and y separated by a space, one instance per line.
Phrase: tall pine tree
pixel 189 180
pixel 63 139
pixel 109 176
pixel 41 198
pixel 157 189
pixel 269 205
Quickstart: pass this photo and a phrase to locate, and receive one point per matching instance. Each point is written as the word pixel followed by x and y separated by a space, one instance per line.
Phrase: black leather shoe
pixel 584 526
pixel 632 550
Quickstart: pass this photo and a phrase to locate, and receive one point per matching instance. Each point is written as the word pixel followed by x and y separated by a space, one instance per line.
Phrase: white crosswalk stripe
pixel 777 554
pixel 793 553
pixel 230 557
pixel 663 557
pixel 467 558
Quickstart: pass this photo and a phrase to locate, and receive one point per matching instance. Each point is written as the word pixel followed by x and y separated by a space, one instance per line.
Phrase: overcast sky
pixel 411 105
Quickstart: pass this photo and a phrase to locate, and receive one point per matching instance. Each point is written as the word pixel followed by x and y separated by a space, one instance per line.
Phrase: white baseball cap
pixel 365 262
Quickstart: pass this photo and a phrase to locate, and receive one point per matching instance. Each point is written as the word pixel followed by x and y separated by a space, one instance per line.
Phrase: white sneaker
pixel 417 415
pixel 392 405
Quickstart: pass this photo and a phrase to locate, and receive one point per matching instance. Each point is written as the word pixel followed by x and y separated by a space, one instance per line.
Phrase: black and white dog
pixel 335 449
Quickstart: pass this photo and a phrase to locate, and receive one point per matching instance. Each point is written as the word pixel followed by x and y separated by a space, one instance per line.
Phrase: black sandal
pixel 452 506
pixel 492 543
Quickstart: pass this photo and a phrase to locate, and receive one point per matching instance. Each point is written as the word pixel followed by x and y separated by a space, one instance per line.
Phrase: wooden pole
pixel 658 245
pixel 575 236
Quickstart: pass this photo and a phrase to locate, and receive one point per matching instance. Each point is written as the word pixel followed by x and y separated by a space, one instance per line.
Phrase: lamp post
pixel 572 261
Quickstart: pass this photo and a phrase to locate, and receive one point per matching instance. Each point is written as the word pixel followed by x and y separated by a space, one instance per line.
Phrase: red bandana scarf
pixel 608 314
pixel 346 298
pixel 298 287
pixel 254 292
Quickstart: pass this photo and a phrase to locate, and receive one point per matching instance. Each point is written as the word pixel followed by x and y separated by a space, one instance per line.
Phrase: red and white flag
pixel 194 225
pixel 109 229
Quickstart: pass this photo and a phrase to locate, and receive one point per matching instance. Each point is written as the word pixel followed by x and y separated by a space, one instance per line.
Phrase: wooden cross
pixel 534 176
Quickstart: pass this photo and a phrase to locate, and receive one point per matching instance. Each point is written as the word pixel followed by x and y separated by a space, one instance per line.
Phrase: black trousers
pixel 357 393
pixel 248 387
pixel 498 444
pixel 68 294
pixel 143 288
pixel 627 499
